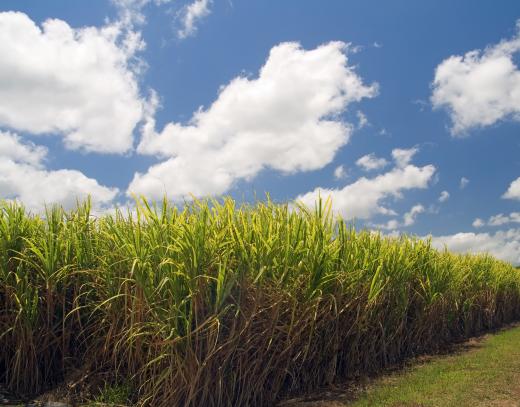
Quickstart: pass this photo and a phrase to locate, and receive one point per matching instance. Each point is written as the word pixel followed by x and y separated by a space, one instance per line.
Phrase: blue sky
pixel 101 98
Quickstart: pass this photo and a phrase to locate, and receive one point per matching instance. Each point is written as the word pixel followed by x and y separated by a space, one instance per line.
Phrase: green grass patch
pixel 485 374
pixel 113 395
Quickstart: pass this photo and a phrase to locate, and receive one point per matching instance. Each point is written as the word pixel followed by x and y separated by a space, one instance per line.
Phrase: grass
pixel 217 304
pixel 486 375
pixel 113 395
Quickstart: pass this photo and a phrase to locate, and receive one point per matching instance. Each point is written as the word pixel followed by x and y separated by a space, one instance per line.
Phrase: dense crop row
pixel 219 305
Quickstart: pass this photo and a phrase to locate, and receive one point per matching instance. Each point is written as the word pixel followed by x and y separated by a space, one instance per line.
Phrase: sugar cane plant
pixel 216 304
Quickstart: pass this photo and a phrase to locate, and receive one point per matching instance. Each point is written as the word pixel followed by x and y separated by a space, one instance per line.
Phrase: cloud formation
pixel 77 83
pixel 501 219
pixel 410 216
pixel 463 183
pixel 409 219
pixel 502 244
pixel 23 177
pixel 478 223
pixel 513 192
pixel 362 119
pixel 481 87
pixel 498 220
pixel 340 172
pixel 191 15
pixel 403 156
pixel 130 11
pixel 363 198
pixel 287 119
pixel 370 162
pixel 444 196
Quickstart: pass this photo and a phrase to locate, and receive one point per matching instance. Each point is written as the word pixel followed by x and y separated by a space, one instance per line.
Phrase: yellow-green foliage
pixel 217 305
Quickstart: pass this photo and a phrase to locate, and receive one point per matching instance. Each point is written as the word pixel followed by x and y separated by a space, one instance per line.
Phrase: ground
pixel 481 372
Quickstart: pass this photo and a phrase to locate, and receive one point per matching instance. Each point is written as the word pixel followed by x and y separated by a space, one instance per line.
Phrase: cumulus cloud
pixel 77 83
pixel 463 183
pixel 444 196
pixel 23 177
pixel 370 162
pixel 131 14
pixel 409 219
pixel 392 224
pixel 513 192
pixel 287 119
pixel 131 11
pixel 362 119
pixel 340 172
pixel 403 156
pixel 501 219
pixel 498 220
pixel 481 87
pixel 478 223
pixel 363 198
pixel 504 245
pixel 12 148
pixel 191 15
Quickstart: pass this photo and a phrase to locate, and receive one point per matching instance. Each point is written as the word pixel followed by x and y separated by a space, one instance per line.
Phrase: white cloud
pixel 444 196
pixel 362 119
pixel 513 192
pixel 409 219
pixel 24 178
pixel 131 11
pixel 481 87
pixel 12 148
pixel 78 83
pixel 340 172
pixel 131 14
pixel 504 245
pixel 402 156
pixel 498 220
pixel 370 162
pixel 392 224
pixel 501 219
pixel 287 119
pixel 191 15
pixel 363 198
pixel 422 104
pixel 463 183
pixel 478 223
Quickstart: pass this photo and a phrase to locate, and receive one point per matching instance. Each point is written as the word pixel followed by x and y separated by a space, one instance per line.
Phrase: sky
pixel 405 113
